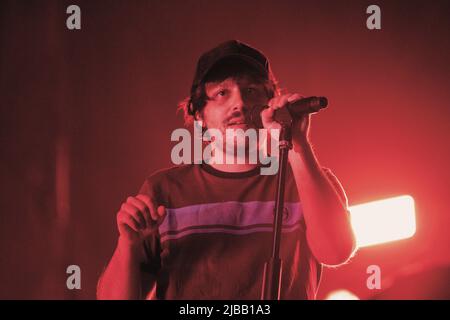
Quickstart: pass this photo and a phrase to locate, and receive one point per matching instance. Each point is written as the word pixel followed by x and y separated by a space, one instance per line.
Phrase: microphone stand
pixel 273 268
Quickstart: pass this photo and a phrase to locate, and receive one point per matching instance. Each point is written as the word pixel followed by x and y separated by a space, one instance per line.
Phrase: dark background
pixel 87 114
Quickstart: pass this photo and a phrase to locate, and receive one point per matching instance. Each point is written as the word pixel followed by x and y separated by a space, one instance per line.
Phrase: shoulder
pixel 164 179
pixel 174 172
pixel 169 175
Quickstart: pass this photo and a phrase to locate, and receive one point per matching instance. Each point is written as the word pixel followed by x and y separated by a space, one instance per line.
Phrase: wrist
pixel 125 245
pixel 299 145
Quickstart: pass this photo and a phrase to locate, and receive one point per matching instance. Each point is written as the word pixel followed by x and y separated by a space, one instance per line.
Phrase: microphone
pixel 296 109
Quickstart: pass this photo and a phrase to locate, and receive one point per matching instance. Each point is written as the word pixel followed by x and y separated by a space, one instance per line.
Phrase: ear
pixel 199 117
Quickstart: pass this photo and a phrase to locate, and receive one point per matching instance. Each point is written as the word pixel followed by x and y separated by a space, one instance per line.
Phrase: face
pixel 230 101
pixel 227 109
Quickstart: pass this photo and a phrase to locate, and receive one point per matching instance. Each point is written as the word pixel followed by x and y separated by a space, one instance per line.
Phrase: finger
pixel 150 204
pixel 294 97
pixel 126 219
pixel 143 208
pixel 268 113
pixel 143 197
pixel 162 211
pixel 279 102
pixel 128 230
pixel 273 102
pixel 282 102
pixel 134 212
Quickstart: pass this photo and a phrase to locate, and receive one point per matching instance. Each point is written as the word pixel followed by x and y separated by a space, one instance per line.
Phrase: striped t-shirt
pixel 217 235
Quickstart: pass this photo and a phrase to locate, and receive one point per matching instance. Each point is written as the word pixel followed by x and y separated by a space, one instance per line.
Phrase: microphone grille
pixel 323 101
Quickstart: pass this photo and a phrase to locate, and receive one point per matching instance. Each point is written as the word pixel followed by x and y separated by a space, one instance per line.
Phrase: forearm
pixel 329 232
pixel 122 277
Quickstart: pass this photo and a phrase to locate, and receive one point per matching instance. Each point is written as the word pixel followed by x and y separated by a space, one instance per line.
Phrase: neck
pixel 234 167
pixel 239 164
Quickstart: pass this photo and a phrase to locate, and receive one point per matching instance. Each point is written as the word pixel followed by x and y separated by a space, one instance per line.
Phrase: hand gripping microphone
pixel 296 109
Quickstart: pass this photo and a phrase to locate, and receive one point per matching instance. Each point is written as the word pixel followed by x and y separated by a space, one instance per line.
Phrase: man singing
pixel 204 231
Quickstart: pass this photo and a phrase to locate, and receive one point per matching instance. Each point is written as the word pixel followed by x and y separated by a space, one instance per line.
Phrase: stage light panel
pixel 383 221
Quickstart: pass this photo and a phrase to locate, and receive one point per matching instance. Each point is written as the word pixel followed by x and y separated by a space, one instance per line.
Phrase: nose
pixel 238 103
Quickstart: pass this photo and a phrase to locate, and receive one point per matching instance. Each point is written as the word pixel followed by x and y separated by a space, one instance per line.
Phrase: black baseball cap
pixel 229 49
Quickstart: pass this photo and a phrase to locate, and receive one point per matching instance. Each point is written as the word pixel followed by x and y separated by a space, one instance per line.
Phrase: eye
pixel 220 94
pixel 251 90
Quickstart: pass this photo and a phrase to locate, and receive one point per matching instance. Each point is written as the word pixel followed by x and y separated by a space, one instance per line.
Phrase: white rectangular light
pixel 383 220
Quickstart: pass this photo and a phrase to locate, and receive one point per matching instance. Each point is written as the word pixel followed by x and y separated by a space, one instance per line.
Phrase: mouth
pixel 237 124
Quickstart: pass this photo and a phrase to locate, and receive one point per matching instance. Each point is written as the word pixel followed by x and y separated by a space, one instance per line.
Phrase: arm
pixel 137 219
pixel 328 229
pixel 324 203
pixel 122 277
